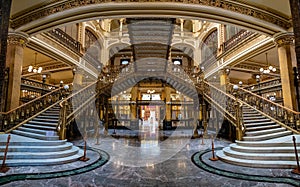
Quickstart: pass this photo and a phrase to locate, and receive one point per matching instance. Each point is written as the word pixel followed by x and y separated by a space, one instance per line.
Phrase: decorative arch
pixel 209 45
pixel 44 18
pixel 93 48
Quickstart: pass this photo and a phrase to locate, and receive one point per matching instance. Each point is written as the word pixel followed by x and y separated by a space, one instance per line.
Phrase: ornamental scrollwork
pixel 57 6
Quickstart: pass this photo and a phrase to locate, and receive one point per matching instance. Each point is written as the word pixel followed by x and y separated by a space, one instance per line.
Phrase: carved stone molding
pixel 57 6
pixel 283 39
pixel 17 38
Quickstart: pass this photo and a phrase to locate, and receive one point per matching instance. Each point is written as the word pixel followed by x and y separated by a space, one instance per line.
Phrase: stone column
pixel 14 61
pixel 181 26
pixel 284 43
pixel 4 25
pixel 224 79
pixel 78 74
pixel 133 107
pixel 295 10
pixel 167 121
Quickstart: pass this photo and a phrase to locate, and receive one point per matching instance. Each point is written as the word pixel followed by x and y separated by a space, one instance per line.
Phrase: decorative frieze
pixel 283 39
pixel 61 5
pixel 17 38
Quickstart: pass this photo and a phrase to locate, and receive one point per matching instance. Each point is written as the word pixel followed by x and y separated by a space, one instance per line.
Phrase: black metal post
pixel 296 83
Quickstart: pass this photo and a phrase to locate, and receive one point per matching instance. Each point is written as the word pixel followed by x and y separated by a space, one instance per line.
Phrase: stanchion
pixel 84 158
pixel 97 136
pixel 4 168
pixel 296 170
pixel 202 141
pixel 213 158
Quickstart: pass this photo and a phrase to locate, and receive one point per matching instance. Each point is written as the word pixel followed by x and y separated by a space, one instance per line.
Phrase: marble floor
pixel 150 161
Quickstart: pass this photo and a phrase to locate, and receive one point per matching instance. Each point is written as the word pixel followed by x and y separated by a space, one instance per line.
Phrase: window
pixel 210 46
pixel 177 61
pixel 124 61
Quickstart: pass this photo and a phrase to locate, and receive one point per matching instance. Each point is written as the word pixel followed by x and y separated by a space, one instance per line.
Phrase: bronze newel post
pixel 238 114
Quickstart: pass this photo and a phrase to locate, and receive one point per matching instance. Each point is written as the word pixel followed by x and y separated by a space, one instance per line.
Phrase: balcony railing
pixel 236 39
pixel 65 39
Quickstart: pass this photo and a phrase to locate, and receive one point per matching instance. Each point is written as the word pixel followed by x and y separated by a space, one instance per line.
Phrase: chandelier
pixel 269 68
pixel 34 68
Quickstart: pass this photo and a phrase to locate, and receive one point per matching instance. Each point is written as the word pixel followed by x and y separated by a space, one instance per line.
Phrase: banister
pixel 32 101
pixel 267 100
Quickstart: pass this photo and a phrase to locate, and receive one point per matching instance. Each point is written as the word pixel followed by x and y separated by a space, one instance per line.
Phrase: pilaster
pixel 284 42
pixel 14 61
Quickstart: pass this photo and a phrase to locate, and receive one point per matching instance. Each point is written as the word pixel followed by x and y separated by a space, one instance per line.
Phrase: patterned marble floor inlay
pixel 201 159
pixel 176 171
pixel 100 157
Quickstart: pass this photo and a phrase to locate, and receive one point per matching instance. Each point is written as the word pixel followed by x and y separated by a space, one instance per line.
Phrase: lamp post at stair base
pixel 239 130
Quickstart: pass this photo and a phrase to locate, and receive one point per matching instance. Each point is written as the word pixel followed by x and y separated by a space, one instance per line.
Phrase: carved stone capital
pixel 224 71
pixel 17 38
pixel 283 39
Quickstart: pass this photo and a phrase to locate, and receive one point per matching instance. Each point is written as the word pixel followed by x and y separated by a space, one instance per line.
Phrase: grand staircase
pixel 265 144
pixel 37 143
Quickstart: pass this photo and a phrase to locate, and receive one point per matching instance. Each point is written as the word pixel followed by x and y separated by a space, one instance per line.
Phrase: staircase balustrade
pixel 17 115
pixel 283 115
pixel 225 103
pixel 79 105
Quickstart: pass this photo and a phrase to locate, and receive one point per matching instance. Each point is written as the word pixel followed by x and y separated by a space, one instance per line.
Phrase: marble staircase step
pixel 268 143
pixel 49 114
pixel 37 131
pixel 267 131
pixel 39 127
pixel 259 124
pixel 37 148
pixel 34 135
pixel 253 117
pixel 275 149
pixel 259 156
pixel 38 162
pixel 267 136
pixel 48 117
pixel 256 163
pixel 264 127
pixel 40 155
pixel 250 112
pixel 45 119
pixel 256 120
pixel 42 123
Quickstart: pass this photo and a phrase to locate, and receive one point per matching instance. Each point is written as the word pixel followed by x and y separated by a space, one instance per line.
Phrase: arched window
pixel 93 49
pixel 210 46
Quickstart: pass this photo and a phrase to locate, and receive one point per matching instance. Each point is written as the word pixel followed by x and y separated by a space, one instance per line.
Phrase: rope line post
pixel 213 158
pixel 84 158
pixel 296 170
pixel 202 139
pixel 4 168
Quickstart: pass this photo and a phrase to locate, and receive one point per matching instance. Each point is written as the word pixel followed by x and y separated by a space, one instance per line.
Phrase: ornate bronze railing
pixel 82 107
pixel 282 115
pixel 9 120
pixel 37 85
pixel 225 103
pixel 236 39
pixel 65 39
pixel 265 86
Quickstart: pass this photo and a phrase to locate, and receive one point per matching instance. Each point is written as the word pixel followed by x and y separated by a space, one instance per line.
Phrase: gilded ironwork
pixel 61 5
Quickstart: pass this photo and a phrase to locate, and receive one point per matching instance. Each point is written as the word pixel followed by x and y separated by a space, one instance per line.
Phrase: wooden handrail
pixel 38 98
